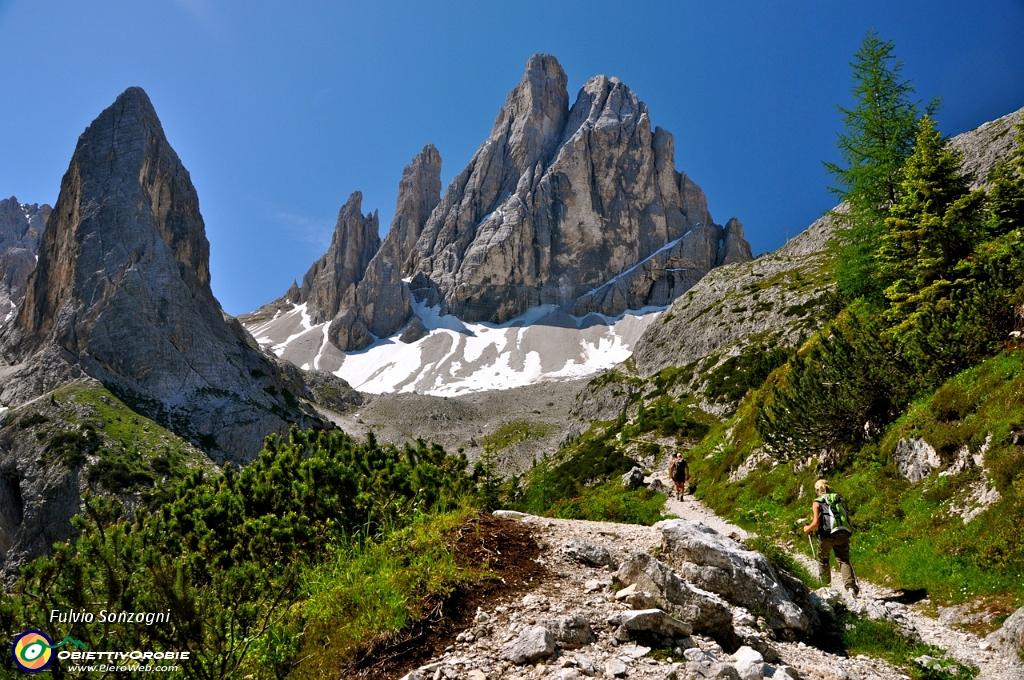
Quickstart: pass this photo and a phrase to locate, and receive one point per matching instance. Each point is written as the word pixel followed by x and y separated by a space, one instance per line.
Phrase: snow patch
pixel 456 357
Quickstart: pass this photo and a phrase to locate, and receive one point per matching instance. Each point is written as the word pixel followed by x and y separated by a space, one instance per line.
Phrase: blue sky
pixel 281 110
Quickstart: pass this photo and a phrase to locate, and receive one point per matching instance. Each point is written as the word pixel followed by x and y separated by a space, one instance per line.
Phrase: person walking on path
pixel 677 472
pixel 832 525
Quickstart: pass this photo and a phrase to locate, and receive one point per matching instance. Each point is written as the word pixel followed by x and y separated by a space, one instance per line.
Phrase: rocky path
pixel 879 602
pixel 587 619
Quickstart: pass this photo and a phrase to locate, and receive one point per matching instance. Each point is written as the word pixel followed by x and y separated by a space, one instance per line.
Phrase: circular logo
pixel 32 651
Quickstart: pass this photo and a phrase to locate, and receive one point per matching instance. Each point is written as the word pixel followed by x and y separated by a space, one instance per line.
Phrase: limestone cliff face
pixel 577 207
pixel 122 293
pixel 21 225
pixel 599 227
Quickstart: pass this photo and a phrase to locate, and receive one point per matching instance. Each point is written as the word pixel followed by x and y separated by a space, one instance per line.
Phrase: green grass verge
pixel 591 460
pixel 906 535
pixel 512 433
pixel 611 502
pixel 363 591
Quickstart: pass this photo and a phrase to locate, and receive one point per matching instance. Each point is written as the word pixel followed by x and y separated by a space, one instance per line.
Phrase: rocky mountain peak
pixel 604 102
pixel 579 208
pixel 534 114
pixel 355 241
pixel 734 246
pixel 21 224
pixel 122 153
pixel 419 192
pixel 122 292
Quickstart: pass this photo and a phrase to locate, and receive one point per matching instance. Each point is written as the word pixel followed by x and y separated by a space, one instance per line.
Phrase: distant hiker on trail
pixel 833 526
pixel 677 472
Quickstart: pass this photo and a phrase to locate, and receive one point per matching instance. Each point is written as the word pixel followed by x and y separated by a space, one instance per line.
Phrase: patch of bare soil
pixel 506 551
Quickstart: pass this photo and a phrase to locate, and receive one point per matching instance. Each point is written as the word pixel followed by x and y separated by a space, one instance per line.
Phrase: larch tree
pixel 877 138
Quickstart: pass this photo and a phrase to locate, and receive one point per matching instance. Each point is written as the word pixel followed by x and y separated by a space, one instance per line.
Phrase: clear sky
pixel 280 110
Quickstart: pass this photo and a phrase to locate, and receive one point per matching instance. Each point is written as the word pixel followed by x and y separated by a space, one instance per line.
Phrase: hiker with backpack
pixel 832 525
pixel 677 472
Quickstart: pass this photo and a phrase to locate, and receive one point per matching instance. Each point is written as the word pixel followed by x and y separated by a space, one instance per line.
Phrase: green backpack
pixel 832 515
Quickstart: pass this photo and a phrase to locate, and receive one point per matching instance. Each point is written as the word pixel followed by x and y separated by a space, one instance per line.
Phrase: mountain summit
pixel 122 293
pixel 579 209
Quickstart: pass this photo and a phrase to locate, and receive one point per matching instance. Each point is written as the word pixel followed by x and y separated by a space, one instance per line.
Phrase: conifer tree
pixel 1006 197
pixel 929 233
pixel 841 389
pixel 998 265
pixel 878 136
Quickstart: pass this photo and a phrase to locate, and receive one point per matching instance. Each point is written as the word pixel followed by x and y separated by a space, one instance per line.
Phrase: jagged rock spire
pixel 122 292
pixel 21 225
pixel 329 283
pixel 580 208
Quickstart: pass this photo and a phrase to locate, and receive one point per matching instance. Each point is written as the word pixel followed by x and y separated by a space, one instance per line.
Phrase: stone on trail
pixel 509 514
pixel 568 674
pixel 415 675
pixel 657 486
pixel 706 612
pixel 749 663
pixel 591 555
pixel 570 631
pixel 649 621
pixel 534 643
pixel 1009 639
pixel 710 670
pixel 743 577
pixel 615 668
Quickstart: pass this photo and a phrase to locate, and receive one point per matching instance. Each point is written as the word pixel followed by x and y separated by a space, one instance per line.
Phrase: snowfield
pixel 457 357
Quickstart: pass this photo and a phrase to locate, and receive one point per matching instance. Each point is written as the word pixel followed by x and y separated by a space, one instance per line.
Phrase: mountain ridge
pixel 575 211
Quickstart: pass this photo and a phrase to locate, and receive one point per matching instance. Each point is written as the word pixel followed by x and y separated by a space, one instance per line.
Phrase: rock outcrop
pixel 580 207
pixel 744 577
pixel 21 225
pixel 122 293
pixel 1009 638
pixel 382 297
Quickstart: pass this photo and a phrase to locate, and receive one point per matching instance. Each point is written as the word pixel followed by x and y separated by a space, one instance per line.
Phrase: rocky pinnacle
pixel 122 292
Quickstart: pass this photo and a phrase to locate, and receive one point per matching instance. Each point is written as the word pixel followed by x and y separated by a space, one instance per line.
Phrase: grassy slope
pixel 83 425
pixel 908 536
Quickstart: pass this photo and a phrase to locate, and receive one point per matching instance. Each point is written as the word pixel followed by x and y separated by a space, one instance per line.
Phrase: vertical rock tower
pixel 122 293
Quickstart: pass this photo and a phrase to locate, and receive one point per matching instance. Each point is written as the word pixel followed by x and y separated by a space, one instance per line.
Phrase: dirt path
pixel 880 602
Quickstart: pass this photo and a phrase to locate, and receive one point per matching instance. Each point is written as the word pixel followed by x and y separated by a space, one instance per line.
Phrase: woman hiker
pixel 833 526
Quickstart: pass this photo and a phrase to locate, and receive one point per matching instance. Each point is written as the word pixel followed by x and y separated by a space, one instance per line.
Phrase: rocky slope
pixel 780 293
pixel 682 600
pixel 771 301
pixel 81 437
pixel 122 293
pixel 575 211
pixel 21 225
